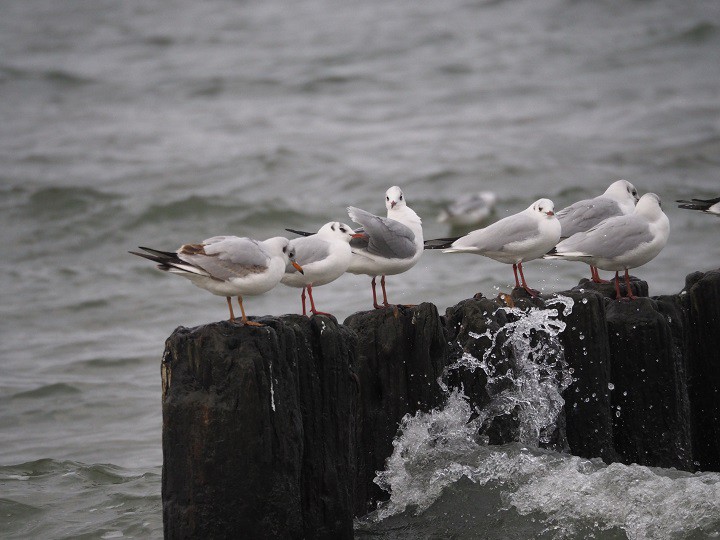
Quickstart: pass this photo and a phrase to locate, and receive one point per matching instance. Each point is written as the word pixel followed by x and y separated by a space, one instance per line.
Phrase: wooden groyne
pixel 278 432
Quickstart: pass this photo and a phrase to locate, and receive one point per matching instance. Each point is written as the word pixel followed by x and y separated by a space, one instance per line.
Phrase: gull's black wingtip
pixel 300 233
pixel 439 243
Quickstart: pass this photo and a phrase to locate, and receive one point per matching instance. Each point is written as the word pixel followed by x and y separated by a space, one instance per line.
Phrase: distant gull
pixel 519 238
pixel 228 266
pixel 619 199
pixel 386 245
pixel 708 206
pixel 469 209
pixel 620 242
pixel 324 257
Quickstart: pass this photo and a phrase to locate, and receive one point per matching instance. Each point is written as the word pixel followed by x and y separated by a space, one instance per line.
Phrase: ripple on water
pixel 48 390
pixel 49 498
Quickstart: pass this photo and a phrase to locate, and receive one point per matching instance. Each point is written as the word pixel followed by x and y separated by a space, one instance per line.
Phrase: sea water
pixel 154 123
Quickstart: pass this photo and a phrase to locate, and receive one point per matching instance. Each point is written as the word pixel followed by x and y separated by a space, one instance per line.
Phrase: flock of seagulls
pixel 615 231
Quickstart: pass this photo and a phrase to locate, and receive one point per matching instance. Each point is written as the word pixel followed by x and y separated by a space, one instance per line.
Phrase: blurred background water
pixel 154 123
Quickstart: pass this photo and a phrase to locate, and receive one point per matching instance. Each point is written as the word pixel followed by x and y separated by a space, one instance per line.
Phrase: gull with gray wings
pixel 228 266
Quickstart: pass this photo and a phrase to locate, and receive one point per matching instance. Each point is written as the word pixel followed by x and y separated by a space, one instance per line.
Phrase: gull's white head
pixel 279 246
pixel 649 206
pixel 622 191
pixel 394 198
pixel 543 207
pixel 334 230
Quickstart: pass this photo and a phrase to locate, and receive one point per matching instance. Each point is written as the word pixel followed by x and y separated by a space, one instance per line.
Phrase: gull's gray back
pixel 387 238
pixel 495 237
pixel 229 256
pixel 612 238
pixel 309 249
pixel 584 215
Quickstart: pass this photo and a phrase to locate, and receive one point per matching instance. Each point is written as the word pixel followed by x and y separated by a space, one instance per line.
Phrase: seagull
pixel 620 242
pixel 386 246
pixel 324 257
pixel 708 206
pixel 228 266
pixel 469 209
pixel 619 199
pixel 519 238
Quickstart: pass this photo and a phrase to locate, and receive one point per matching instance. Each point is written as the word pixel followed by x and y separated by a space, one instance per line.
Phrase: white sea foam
pixel 646 503
pixel 571 495
pixel 538 374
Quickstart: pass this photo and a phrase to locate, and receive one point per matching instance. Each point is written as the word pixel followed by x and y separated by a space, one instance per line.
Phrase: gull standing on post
pixel 386 246
pixel 228 266
pixel 619 199
pixel 519 238
pixel 324 257
pixel 621 242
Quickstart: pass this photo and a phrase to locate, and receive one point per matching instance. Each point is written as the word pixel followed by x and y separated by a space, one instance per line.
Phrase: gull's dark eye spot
pixel 285 249
pixel 332 226
pixel 343 229
pixel 387 198
pixel 401 197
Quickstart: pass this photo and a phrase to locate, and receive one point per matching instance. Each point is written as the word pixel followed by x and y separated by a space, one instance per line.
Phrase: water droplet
pixel 611 386
pixel 584 300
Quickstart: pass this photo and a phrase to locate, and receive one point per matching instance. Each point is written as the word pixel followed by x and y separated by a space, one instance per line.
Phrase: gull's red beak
pixel 298 267
pixel 392 204
pixel 550 213
pixel 358 235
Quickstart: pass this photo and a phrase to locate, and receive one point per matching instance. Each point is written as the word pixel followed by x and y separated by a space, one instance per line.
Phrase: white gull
pixel 228 266
pixel 518 238
pixel 386 246
pixel 324 257
pixel 469 209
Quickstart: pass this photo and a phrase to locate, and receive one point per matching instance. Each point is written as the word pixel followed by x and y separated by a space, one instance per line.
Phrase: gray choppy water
pixel 126 123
